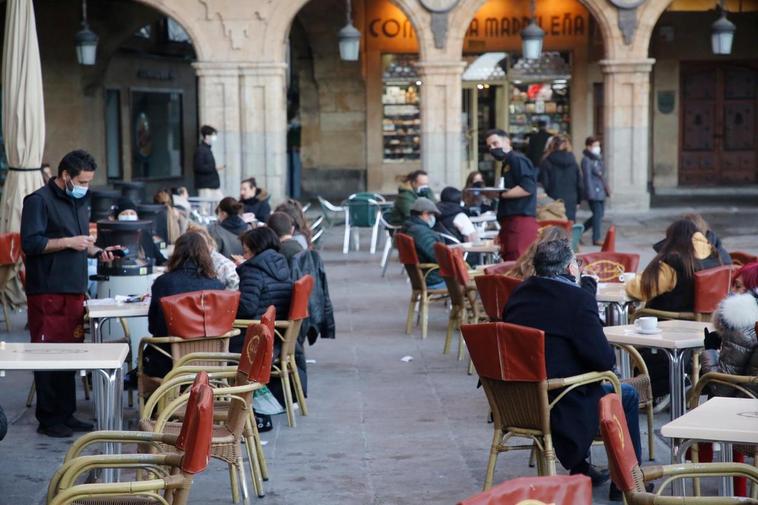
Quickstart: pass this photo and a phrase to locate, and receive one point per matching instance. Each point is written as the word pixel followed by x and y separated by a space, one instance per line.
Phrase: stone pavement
pixel 380 431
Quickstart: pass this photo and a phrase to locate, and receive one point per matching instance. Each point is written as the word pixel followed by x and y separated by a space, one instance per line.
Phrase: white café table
pixel 674 340
pixel 104 360
pixel 721 420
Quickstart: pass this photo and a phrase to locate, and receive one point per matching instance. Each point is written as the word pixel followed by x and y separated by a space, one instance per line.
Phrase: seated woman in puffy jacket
pixel 735 321
pixel 264 278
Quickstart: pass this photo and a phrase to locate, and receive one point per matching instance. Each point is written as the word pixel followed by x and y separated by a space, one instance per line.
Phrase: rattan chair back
pixel 197 428
pixel 608 266
pixel 301 293
pixel 446 259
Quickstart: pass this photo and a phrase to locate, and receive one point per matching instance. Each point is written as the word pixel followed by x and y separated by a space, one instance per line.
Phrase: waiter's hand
pixel 80 242
pixel 106 256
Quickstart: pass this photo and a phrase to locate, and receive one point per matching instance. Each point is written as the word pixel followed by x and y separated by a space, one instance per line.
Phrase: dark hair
pixel 163 197
pixel 699 221
pixel 259 239
pixel 178 190
pixel 590 140
pixel 76 162
pixel 541 124
pixel 470 178
pixel 552 257
pixel 451 194
pixel 677 247
pixel 557 143
pixel 206 130
pixel 192 246
pixel 497 131
pixel 294 209
pixel 251 181
pixel 414 175
pixel 231 206
pixel 524 267
pixel 281 223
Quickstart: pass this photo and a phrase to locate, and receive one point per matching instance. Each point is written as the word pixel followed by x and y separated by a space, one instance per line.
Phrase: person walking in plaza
pixel 420 225
pixel 207 180
pixel 560 175
pixel 56 243
pixel 517 208
pixel 413 186
pixel 595 187
pixel 255 199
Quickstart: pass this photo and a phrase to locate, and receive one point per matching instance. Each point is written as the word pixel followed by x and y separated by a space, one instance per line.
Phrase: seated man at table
pixel 574 344
pixel 420 226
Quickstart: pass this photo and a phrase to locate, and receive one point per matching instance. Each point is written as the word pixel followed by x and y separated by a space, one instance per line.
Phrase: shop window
pixel 156 130
pixel 176 33
pixel 145 32
pixel 401 119
pixel 113 134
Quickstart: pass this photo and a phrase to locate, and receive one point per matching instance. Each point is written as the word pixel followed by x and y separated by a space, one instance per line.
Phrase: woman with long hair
pixel 476 199
pixel 559 174
pixel 229 227
pixel 524 267
pixel 294 209
pixel 170 224
pixel 190 268
pixel 226 270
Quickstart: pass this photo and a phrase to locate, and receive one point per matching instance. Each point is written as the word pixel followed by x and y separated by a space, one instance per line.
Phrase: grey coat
pixel 735 322
pixel 593 173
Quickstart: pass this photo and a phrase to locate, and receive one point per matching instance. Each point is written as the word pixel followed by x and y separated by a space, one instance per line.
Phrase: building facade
pixel 432 76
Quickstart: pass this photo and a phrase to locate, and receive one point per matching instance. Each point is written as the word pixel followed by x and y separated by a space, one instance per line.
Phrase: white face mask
pixel 595 150
pixel 128 217
pixel 432 221
pixel 211 139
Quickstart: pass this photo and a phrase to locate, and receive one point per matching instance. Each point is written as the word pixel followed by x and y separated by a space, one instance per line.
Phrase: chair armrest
pixel 637 360
pixel 97 437
pixel 169 387
pixel 737 382
pixel 431 266
pixel 653 499
pixel 221 357
pixel 664 314
pixel 196 369
pixel 244 323
pixel 678 471
pixel 570 383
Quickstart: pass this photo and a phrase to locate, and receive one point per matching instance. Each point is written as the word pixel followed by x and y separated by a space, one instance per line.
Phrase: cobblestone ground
pixel 380 430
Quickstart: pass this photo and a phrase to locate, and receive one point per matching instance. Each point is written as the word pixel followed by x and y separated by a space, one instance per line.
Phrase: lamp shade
pixel 722 35
pixel 531 40
pixel 350 42
pixel 86 46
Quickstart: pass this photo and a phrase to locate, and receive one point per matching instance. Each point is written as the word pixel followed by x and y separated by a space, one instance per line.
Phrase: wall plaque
pixel 666 102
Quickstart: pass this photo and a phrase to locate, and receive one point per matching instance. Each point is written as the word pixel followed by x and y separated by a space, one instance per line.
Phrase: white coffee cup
pixel 627 276
pixel 646 324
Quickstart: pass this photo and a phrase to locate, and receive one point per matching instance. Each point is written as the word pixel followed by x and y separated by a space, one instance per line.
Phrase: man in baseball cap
pixel 419 226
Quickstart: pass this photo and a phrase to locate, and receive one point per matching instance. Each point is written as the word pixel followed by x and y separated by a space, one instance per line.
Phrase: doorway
pixel 718 143
pixel 484 108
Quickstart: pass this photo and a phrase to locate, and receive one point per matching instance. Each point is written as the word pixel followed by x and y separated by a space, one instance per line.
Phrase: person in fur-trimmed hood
pixel 735 321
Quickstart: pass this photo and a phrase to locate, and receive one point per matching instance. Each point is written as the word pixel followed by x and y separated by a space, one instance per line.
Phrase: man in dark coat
pixel 255 199
pixel 574 344
pixel 207 181
pixel 420 226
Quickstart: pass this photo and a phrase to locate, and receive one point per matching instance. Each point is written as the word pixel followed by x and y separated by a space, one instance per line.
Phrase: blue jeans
pixel 596 221
pixel 630 400
pixel 439 285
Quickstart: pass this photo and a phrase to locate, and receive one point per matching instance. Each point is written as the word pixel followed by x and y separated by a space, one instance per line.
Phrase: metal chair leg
pixel 287 394
pixel 374 236
pixel 298 387
pixel 346 240
pixel 243 481
pixel 233 483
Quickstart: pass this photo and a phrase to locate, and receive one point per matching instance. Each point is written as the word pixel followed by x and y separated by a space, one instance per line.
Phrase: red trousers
pixel 516 235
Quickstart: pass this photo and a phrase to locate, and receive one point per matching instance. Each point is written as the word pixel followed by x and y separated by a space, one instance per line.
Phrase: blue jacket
pixel 574 344
pixel 184 279
pixel 264 280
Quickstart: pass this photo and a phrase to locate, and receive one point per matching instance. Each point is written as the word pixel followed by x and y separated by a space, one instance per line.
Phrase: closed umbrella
pixel 23 113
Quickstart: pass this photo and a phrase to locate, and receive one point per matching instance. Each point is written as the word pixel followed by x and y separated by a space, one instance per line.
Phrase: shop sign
pixel 565 25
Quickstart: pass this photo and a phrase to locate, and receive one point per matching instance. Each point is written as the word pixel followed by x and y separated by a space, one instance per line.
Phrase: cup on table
pixel 627 276
pixel 648 324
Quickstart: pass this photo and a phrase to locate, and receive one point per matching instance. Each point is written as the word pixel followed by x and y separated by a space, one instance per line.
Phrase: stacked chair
pixel 556 490
pixel 169 472
pixel 510 361
pixel 630 478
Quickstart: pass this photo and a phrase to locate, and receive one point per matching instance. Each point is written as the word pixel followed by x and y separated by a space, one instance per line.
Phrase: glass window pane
pixel 176 33
pixel 113 133
pixel 145 32
pixel 156 134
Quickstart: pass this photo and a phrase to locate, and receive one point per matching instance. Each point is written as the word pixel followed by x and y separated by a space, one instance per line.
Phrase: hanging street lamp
pixel 532 37
pixel 722 33
pixel 86 41
pixel 350 39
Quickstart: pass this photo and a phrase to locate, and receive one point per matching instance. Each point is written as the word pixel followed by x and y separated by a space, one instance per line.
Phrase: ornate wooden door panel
pixel 697 162
pixel 739 144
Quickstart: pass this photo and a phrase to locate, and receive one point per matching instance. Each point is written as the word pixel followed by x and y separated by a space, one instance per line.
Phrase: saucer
pixel 648 332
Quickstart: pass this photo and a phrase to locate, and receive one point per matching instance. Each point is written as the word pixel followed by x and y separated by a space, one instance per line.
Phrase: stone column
pixel 264 125
pixel 219 106
pixel 441 141
pixel 626 131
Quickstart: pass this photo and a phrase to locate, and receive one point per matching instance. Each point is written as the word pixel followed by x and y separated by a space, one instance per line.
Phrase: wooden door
pixel 718 124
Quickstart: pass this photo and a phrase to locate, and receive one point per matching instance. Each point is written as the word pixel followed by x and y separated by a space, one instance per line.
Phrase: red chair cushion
pixel 406 249
pixel 197 444
pixel 460 267
pixel 711 286
pixel 500 268
pixel 556 490
pixel 618 443
pixel 200 313
pixel 506 352
pixel 201 379
pixel 301 293
pixel 10 248
pixel 257 353
pixel 444 256
pixel 269 318
pixel 494 290
pixel 609 244
pixel 742 258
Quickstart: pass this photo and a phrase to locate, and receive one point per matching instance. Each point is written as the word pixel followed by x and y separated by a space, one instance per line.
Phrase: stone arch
pixel 649 14
pixel 180 12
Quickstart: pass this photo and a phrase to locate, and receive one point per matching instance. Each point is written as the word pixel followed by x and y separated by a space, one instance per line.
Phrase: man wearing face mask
pixel 517 208
pixel 207 180
pixel 413 186
pixel 55 239
pixel 595 187
pixel 126 210
pixel 420 224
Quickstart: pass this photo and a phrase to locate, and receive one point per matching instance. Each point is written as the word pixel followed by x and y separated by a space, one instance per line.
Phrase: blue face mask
pixel 76 191
pixel 432 221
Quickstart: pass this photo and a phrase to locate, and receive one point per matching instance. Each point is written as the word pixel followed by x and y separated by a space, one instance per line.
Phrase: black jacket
pixel 264 280
pixel 425 239
pixel 448 211
pixel 184 279
pixel 50 213
pixel 562 180
pixel 258 205
pixel 204 164
pixel 320 320
pixel 574 344
pixel 536 147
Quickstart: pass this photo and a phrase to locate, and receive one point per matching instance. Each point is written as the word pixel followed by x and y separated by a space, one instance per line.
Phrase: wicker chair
pixel 494 290
pixel 556 490
pixel 10 256
pixel 199 321
pixel 250 374
pixel 742 258
pixel 284 367
pixel 608 266
pixel 510 361
pixel 640 381
pixel 711 286
pixel 417 273
pixel 464 307
pixel 171 472
pixel 630 478
pixel 501 268
pixel 609 244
